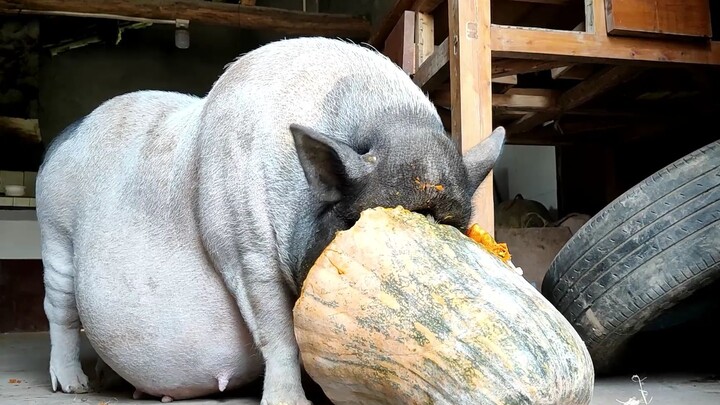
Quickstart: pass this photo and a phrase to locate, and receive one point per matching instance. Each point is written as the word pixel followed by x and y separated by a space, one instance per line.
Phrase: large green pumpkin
pixel 400 310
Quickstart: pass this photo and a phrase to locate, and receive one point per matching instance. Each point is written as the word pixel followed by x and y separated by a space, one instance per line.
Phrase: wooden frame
pixel 459 72
pixel 244 14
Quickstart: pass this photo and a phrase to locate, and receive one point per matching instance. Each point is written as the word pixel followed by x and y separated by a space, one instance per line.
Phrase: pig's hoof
pixel 166 399
pixel 71 380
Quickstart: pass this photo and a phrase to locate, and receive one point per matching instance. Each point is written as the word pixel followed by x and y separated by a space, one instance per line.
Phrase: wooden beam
pixel 28 129
pixel 236 15
pixel 518 100
pixel 526 100
pixel 580 94
pixel 588 47
pixel 435 70
pixel 400 43
pixel 377 39
pixel 572 72
pixel 511 67
pixel 424 37
pixel 470 91
pixel 503 84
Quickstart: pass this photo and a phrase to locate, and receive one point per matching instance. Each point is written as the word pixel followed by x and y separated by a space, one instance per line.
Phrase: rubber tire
pixel 649 249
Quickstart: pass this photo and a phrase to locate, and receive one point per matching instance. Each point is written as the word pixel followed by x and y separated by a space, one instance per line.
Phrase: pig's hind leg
pixel 62 313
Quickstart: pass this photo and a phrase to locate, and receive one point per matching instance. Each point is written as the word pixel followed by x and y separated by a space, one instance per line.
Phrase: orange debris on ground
pixel 482 237
pixel 14 381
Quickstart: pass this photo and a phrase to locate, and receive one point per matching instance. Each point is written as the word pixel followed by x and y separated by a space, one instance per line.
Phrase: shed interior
pixel 595 95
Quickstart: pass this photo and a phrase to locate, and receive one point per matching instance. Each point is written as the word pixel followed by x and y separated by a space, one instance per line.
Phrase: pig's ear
pixel 328 164
pixel 481 158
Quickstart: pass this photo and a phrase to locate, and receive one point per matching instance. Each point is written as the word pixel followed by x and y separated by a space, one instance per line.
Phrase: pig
pixel 178 229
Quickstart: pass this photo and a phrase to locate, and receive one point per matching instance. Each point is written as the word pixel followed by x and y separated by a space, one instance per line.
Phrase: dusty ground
pixel 24 356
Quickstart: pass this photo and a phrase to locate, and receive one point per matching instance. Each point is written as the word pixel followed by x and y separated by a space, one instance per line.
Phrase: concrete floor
pixel 24 357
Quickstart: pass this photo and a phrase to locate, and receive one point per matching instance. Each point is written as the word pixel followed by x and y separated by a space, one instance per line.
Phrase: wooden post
pixel 471 90
pixel 424 37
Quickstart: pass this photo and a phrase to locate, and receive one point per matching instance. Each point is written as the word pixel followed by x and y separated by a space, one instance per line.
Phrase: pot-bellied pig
pixel 178 229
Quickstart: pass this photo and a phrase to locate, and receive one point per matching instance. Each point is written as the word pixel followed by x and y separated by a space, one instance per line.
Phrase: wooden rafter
pixel 578 95
pixel 236 15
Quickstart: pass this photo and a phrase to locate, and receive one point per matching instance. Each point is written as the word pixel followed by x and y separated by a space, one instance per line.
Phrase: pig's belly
pixel 168 327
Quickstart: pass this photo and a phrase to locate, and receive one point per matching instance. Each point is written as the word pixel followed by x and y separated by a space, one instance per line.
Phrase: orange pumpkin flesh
pixel 400 310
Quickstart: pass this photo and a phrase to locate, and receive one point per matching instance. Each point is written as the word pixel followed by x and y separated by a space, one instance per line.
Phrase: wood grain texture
pixel 588 47
pixel 601 82
pixel 237 15
pixel 399 310
pixel 659 18
pixel 471 90
pixel 400 43
pixel 435 71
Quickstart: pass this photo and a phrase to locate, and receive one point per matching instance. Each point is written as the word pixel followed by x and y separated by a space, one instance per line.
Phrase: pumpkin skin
pixel 400 310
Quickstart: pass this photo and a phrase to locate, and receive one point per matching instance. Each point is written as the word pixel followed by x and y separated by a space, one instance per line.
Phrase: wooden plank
pixel 435 70
pixel 503 84
pixel 572 72
pixel 28 129
pixel 511 67
pixel 377 39
pixel 525 100
pixel 577 72
pixel 515 100
pixel 518 100
pixel 659 18
pixel 249 17
pixel 400 44
pixel 470 91
pixel 424 37
pixel 580 94
pixel 587 47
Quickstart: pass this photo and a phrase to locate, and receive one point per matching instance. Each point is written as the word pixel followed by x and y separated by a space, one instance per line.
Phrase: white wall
pixel 19 235
pixel 528 170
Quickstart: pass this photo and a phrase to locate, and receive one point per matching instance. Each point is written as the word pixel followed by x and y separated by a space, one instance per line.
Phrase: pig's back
pixel 132 141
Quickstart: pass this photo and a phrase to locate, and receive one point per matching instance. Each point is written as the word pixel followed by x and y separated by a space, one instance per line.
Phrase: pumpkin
pixel 401 310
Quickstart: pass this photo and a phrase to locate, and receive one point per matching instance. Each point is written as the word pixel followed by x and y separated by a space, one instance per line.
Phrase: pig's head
pixel 414 166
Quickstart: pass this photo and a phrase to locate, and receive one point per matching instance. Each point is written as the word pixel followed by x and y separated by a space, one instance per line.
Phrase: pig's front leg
pixel 266 306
